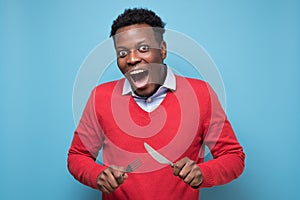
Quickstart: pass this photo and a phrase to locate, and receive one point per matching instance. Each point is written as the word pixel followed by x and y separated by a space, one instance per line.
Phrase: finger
pixel 176 169
pixel 105 190
pixel 103 182
pixel 125 176
pixel 194 176
pixel 119 175
pixel 120 179
pixel 196 182
pixel 179 165
pixel 198 179
pixel 111 179
pixel 186 169
pixel 189 179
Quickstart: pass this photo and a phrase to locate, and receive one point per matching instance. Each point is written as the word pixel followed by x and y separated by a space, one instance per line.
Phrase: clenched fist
pixel 111 178
pixel 188 171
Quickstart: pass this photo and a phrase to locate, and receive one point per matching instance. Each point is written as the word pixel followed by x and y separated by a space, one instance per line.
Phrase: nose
pixel 133 57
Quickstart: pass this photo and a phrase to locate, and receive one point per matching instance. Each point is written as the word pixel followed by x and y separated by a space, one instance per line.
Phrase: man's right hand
pixel 111 178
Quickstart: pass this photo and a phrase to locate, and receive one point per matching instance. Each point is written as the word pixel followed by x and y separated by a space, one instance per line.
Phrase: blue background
pixel 255 45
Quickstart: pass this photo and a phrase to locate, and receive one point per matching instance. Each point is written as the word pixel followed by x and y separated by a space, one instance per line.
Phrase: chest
pixel 173 127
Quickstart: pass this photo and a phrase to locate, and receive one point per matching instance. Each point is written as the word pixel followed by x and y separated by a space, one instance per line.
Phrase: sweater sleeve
pixel 228 156
pixel 86 143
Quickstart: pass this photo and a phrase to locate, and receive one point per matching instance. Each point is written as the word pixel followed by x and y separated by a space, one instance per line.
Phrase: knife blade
pixel 157 156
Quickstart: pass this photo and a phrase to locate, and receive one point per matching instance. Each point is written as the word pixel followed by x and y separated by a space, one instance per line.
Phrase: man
pixel 175 115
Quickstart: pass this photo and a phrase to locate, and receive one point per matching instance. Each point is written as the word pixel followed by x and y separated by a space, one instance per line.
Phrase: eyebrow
pixel 137 44
pixel 141 42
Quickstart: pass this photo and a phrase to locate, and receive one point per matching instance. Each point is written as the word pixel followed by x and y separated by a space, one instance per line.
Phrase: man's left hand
pixel 188 171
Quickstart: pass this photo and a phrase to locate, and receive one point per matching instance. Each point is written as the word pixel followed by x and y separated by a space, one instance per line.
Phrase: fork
pixel 133 166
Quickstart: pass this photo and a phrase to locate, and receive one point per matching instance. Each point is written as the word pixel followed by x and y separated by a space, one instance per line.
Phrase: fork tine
pixel 136 164
pixel 133 165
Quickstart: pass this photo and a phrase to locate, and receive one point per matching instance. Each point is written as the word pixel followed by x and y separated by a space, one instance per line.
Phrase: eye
pixel 122 53
pixel 143 48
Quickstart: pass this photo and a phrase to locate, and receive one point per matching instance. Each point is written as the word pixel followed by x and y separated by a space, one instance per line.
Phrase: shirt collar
pixel 170 83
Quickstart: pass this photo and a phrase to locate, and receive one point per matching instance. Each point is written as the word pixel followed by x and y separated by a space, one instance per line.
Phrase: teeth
pixel 137 71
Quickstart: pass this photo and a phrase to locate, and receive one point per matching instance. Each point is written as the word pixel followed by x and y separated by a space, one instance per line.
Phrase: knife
pixel 157 156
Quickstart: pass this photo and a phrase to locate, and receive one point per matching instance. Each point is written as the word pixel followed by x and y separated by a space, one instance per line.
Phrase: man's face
pixel 140 58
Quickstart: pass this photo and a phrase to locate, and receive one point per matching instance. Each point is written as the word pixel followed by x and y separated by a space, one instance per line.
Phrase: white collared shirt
pixel 150 103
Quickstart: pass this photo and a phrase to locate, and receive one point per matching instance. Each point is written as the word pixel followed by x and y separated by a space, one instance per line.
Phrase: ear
pixel 163 49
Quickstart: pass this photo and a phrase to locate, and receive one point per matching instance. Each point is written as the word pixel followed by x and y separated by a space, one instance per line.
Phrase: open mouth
pixel 139 77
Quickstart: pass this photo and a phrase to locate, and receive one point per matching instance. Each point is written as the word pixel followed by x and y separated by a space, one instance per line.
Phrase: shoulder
pixel 196 84
pixel 109 86
pixel 105 90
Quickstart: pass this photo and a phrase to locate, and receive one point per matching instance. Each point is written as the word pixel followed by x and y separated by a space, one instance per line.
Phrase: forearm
pixel 228 156
pixel 82 165
pixel 223 169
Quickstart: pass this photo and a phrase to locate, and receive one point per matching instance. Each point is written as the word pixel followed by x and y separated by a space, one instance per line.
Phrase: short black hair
pixel 138 16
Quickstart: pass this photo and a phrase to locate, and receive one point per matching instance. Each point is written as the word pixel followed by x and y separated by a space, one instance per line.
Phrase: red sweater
pixel 187 119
